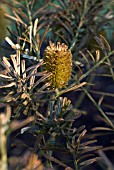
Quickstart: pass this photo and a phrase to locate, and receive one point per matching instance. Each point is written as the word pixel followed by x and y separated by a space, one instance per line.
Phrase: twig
pixel 4 119
pixel 98 107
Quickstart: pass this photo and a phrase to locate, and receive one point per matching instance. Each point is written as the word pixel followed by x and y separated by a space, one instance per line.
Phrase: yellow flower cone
pixel 58 61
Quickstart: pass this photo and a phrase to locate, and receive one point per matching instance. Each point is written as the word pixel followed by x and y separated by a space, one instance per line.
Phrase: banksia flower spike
pixel 58 61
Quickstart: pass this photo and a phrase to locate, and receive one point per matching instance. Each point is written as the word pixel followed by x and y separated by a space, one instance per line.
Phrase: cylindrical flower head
pixel 58 61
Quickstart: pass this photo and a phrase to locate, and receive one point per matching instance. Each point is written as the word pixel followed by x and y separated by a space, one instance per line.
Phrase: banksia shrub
pixel 58 61
pixel 40 122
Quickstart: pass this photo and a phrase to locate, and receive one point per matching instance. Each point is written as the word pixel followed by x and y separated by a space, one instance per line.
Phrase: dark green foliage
pixel 36 78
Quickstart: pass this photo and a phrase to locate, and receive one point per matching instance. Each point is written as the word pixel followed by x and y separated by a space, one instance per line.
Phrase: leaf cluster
pixel 49 116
